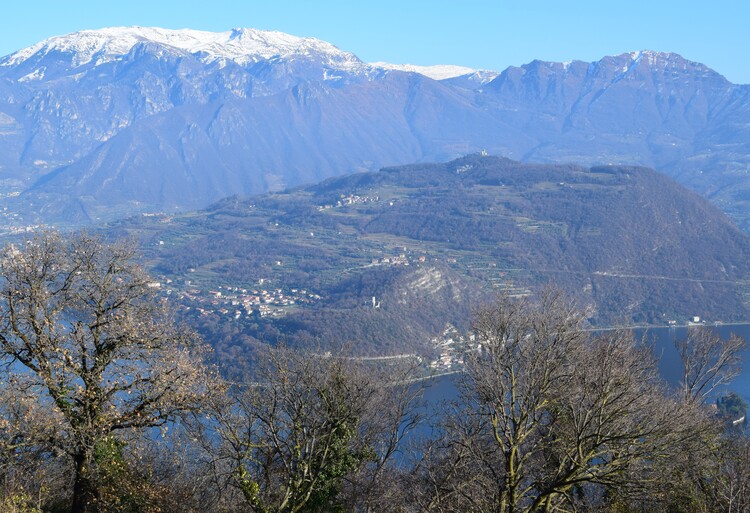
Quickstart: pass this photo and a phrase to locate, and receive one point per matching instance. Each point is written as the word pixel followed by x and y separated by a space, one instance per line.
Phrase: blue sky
pixel 475 33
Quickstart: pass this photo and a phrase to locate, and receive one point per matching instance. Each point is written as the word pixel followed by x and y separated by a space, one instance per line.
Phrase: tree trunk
pixel 83 489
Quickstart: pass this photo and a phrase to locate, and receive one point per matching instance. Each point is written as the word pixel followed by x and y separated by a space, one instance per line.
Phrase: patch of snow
pixel 331 76
pixel 485 76
pixel 437 72
pixel 6 120
pixel 37 74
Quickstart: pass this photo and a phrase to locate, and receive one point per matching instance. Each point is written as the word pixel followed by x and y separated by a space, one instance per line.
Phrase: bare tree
pixel 708 361
pixel 546 410
pixel 394 411
pixel 730 487
pixel 612 422
pixel 84 340
pixel 523 363
pixel 315 434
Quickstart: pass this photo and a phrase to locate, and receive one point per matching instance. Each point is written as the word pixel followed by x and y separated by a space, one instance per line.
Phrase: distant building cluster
pixel 236 302
pixel 401 259
pixel 451 346
pixel 351 199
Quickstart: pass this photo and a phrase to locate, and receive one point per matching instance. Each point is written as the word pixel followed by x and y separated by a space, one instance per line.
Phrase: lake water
pixel 444 388
pixel 662 339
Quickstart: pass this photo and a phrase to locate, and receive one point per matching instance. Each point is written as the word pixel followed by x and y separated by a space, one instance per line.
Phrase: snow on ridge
pixel 656 59
pixel 437 72
pixel 239 45
pixel 652 57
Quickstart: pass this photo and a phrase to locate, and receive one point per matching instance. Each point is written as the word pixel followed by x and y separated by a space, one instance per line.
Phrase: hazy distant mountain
pixel 440 72
pixel 394 255
pixel 101 124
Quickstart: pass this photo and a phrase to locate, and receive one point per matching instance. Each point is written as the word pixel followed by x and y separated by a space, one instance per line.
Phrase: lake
pixel 663 339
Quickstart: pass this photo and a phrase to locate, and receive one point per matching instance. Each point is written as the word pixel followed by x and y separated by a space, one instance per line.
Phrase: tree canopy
pixel 89 351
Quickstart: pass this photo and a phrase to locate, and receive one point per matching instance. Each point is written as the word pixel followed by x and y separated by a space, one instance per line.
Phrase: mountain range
pixel 99 125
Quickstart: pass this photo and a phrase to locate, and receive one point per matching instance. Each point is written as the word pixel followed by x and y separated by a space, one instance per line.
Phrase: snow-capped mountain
pixel 437 72
pixel 241 46
pixel 100 124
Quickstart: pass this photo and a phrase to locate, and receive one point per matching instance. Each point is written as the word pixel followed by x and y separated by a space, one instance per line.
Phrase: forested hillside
pixel 386 260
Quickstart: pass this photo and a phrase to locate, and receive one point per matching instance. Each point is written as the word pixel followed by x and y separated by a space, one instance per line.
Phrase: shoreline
pixel 715 324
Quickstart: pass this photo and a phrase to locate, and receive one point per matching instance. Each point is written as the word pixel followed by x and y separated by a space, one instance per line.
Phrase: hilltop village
pixel 237 302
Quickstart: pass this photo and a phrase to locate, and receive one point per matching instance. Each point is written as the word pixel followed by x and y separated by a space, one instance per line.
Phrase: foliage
pixel 731 406
pixel 90 353
pixel 550 417
pixel 19 503
pixel 315 433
